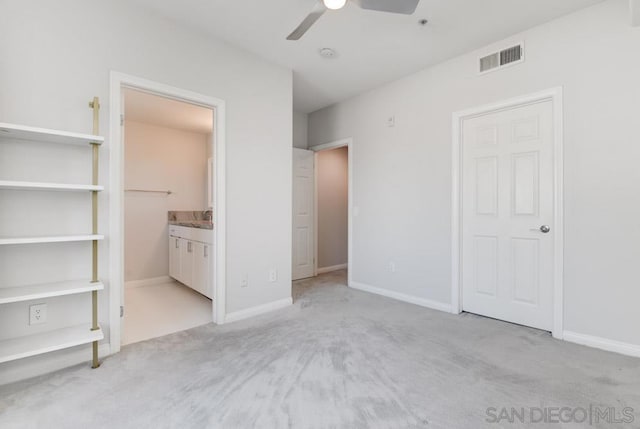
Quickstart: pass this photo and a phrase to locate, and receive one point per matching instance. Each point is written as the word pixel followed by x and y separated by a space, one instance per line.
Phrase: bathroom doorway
pixel 168 228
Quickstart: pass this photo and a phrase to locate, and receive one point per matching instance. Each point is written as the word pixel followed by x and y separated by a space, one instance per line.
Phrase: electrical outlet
pixel 245 281
pixel 273 275
pixel 392 267
pixel 37 314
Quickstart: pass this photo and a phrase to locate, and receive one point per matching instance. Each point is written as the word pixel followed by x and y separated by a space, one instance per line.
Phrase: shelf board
pixel 32 345
pixel 54 239
pixel 23 132
pixel 39 186
pixel 47 290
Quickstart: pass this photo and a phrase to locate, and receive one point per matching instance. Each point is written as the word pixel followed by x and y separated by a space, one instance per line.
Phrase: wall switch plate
pixel 245 281
pixel 392 267
pixel 273 275
pixel 37 314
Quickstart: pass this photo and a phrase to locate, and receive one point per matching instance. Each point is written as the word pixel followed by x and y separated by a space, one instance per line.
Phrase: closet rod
pixel 148 190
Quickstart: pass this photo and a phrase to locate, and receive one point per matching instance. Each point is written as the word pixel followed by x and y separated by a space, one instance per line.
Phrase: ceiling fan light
pixel 334 4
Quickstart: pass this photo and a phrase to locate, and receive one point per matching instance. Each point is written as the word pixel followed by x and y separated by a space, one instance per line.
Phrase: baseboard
pixel 435 305
pixel 324 270
pixel 603 343
pixel 23 369
pixel 147 282
pixel 256 311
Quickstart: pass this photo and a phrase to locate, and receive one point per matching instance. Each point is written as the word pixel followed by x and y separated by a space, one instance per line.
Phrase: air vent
pixel 496 60
pixel 489 62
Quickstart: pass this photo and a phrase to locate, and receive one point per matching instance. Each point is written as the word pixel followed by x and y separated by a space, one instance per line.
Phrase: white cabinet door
pixel 208 254
pixel 202 268
pixel 191 263
pixel 186 262
pixel 174 258
pixel 199 274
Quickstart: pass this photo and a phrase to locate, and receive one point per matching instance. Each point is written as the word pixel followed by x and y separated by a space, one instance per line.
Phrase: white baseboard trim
pixel 34 366
pixel 257 310
pixel 147 282
pixel 324 270
pixel 435 305
pixel 603 343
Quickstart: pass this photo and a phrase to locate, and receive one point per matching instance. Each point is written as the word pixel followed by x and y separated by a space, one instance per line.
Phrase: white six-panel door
pixel 507 204
pixel 303 213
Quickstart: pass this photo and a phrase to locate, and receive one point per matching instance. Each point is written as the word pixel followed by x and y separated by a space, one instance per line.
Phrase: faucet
pixel 207 215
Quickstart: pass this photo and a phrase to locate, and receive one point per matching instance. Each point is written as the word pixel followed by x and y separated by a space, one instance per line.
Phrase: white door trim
pixel 348 143
pixel 555 96
pixel 116 211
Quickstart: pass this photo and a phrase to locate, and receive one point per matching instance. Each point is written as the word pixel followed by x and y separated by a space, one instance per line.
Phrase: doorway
pixel 507 200
pixel 214 180
pixel 322 209
pixel 168 207
pixel 332 209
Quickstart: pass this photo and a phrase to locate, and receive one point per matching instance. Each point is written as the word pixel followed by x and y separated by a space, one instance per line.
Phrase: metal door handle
pixel 189 246
pixel 177 247
pixel 543 229
pixel 206 253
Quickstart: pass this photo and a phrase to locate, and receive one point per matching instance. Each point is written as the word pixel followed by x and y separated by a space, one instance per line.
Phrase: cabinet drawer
pixel 193 234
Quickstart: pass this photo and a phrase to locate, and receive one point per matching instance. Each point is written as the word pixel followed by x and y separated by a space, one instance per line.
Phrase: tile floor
pixel 162 309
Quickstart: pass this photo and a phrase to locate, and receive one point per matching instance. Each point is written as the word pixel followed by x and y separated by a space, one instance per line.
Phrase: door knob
pixel 545 228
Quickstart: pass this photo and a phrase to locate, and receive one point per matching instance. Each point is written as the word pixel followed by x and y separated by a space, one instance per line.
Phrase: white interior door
pixel 303 212
pixel 507 214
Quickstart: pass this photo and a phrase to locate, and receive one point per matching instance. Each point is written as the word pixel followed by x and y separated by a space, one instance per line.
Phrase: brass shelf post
pixel 95 105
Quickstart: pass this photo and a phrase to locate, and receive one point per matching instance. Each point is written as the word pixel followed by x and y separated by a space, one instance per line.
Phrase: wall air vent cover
pixel 497 60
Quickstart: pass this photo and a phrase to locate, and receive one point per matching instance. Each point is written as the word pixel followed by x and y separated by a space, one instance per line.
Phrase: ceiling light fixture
pixel 327 53
pixel 334 4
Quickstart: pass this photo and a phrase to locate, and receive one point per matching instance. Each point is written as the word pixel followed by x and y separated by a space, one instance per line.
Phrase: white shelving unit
pixel 58 339
pixel 47 290
pixel 32 345
pixel 51 239
pixel 38 186
pixel 22 132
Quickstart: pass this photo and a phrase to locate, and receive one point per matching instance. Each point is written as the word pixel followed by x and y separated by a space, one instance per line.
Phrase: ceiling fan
pixel 406 7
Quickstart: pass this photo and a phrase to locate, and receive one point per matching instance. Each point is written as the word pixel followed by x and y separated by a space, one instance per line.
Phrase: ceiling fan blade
pixel 306 24
pixel 406 7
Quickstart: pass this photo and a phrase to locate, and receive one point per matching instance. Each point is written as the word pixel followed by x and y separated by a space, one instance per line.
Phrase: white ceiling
pixel 152 109
pixel 373 47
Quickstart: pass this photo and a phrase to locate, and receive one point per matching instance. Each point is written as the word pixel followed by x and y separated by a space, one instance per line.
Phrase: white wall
pixel 55 56
pixel 402 175
pixel 159 158
pixel 300 123
pixel 333 206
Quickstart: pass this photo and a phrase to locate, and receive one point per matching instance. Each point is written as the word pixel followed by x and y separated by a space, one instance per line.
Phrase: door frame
pixel 555 95
pixel 118 81
pixel 348 143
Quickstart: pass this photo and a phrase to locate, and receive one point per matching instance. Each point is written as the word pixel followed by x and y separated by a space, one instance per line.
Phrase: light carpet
pixel 337 358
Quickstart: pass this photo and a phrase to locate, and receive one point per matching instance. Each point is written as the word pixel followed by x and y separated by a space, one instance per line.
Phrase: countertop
pixel 200 219
pixel 200 224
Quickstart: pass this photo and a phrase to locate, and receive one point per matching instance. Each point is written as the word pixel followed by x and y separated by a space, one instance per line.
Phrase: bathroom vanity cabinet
pixel 191 258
